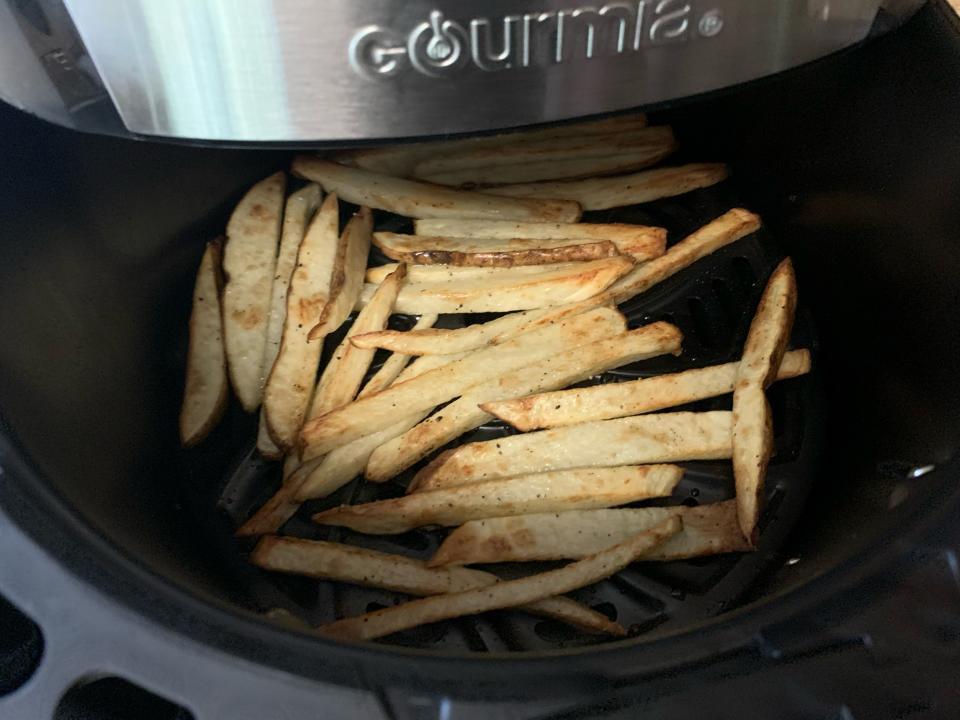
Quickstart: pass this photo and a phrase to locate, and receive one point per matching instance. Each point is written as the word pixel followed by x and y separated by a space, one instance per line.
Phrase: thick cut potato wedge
pixel 477 252
pixel 752 424
pixel 348 272
pixel 418 199
pixel 614 400
pixel 393 365
pixel 651 139
pixel 707 530
pixel 642 242
pixel 291 380
pixel 660 438
pixel 584 488
pixel 401 159
pixel 510 593
pixel 249 259
pixel 619 190
pixel 322 476
pixel 560 370
pixel 349 362
pixel 507 293
pixel 627 161
pixel 726 229
pixel 461 273
pixel 379 411
pixel 471 337
pixel 297 213
pixel 206 389
pixel 359 566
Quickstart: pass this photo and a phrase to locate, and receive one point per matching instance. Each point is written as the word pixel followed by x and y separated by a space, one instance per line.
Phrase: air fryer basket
pixel 853 164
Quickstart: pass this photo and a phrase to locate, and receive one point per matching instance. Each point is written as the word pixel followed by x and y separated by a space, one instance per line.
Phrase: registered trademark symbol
pixel 711 23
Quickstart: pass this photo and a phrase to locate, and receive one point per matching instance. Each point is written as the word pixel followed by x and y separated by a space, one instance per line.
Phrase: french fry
pixel 350 363
pixel 476 252
pixel 726 229
pixel 480 178
pixel 752 423
pixel 322 476
pixel 206 389
pixel 619 190
pixel 393 365
pixel 583 488
pixel 359 566
pixel 651 139
pixel 379 411
pixel 348 273
pixel 287 394
pixel 471 337
pixel 418 199
pixel 560 370
pixel 659 438
pixel 461 273
pixel 297 213
pixel 507 293
pixel 249 258
pixel 401 159
pixel 613 400
pixel 510 593
pixel 707 530
pixel 642 242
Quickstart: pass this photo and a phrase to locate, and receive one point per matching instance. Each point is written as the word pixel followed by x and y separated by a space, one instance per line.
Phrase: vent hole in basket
pixel 112 698
pixel 21 647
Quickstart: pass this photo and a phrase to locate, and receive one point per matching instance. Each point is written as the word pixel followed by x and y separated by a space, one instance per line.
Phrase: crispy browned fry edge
pixel 500 258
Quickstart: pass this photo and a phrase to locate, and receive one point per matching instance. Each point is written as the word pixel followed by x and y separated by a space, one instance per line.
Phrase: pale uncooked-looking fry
pixel 401 159
pixel 726 229
pixel 249 258
pixel 579 281
pixel 641 241
pixel 393 365
pixel 436 341
pixel 459 273
pixel 348 273
pixel 350 362
pixel 560 370
pixel 707 530
pixel 583 488
pixel 481 178
pixel 418 199
pixel 297 212
pixel 752 422
pixel 658 438
pixel 510 593
pixel 376 412
pixel 613 400
pixel 478 252
pixel 287 394
pixel 322 476
pixel 651 139
pixel 206 388
pixel 618 190
pixel 369 568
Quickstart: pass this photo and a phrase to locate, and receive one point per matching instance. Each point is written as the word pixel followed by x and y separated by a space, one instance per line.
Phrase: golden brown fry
pixel 510 593
pixel 613 400
pixel 206 389
pixel 249 258
pixel 752 424
pixel 658 438
pixel 583 488
pixel 394 364
pixel 359 566
pixel 707 530
pixel 608 192
pixel 418 199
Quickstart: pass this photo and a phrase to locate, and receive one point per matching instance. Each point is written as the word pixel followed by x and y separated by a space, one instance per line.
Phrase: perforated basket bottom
pixel 712 303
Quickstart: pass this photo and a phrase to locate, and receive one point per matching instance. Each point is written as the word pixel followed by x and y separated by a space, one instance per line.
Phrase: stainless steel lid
pixel 305 70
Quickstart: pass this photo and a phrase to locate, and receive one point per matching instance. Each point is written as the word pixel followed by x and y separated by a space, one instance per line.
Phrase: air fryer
pixel 128 594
